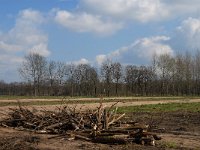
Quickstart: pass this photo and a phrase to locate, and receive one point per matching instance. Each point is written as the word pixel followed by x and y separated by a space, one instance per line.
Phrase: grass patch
pixel 194 107
pixel 171 145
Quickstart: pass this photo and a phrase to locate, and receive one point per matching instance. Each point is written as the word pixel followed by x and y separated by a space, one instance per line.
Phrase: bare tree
pixel 197 72
pixel 116 75
pixel 70 68
pixel 94 80
pixel 167 75
pixel 131 75
pixel 33 69
pixel 165 65
pixel 188 65
pixel 51 75
pixel 106 72
pixel 61 72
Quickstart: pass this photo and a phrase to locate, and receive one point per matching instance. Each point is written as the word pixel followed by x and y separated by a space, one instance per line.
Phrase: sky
pixel 92 31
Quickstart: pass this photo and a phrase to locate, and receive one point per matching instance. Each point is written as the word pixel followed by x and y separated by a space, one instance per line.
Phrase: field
pixel 177 120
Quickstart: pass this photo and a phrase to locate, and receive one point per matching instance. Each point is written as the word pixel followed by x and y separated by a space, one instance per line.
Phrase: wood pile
pixel 102 125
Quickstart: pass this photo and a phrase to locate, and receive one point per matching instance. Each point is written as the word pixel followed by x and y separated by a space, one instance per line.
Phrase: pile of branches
pixel 102 125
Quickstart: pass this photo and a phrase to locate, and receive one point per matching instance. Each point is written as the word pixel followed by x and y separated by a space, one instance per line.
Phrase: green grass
pixel 169 145
pixel 194 107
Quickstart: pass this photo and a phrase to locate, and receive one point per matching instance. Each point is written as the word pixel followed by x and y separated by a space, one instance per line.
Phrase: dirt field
pixel 179 130
pixel 95 105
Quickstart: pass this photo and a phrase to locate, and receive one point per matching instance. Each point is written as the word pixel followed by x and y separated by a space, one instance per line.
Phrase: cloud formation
pixel 81 61
pixel 140 51
pixel 85 22
pixel 106 17
pixel 143 11
pixel 24 37
pixel 181 7
pixel 188 34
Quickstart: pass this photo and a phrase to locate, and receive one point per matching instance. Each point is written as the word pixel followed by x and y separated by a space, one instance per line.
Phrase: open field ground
pixel 92 103
pixel 177 120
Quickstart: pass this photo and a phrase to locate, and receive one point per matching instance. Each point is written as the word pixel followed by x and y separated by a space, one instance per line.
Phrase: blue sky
pixel 91 31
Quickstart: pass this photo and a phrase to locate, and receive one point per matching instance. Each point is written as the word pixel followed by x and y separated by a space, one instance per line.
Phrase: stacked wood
pixel 101 125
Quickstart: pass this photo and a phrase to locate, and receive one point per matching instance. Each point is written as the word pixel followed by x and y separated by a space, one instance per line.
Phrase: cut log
pixel 112 139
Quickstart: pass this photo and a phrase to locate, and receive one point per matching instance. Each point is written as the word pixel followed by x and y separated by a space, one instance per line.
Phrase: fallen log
pixel 112 139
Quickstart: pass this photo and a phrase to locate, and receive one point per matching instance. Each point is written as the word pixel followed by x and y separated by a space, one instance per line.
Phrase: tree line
pixel 167 75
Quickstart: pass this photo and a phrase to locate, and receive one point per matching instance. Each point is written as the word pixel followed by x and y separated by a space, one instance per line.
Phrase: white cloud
pixel 41 48
pixel 182 7
pixel 106 17
pixel 8 67
pixel 29 16
pixel 6 59
pixel 85 22
pixel 141 10
pixel 100 59
pixel 81 61
pixel 24 37
pixel 188 34
pixel 147 47
pixel 139 51
pixel 9 47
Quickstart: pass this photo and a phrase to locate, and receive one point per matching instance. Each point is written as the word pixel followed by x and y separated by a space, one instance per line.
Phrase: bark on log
pixel 111 140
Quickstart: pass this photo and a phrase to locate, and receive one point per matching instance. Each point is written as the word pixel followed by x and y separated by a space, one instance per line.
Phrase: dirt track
pixel 95 105
pixel 86 99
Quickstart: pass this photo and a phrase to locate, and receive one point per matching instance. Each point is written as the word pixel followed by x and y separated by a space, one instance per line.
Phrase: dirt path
pixel 91 99
pixel 95 105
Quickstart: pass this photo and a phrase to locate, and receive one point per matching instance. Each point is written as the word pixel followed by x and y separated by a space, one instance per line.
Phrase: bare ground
pixel 179 130
pixel 95 105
